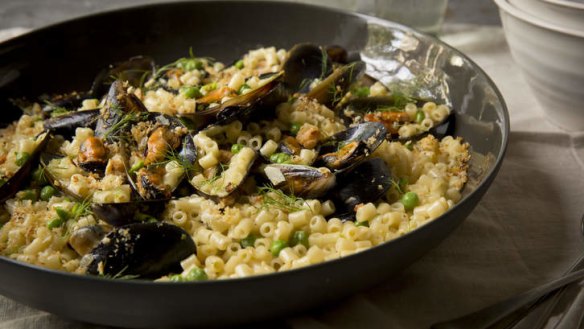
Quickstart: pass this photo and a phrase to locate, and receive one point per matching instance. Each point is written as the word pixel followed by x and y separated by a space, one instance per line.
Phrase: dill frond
pixel 274 198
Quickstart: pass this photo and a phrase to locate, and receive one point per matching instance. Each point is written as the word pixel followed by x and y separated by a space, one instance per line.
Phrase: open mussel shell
pixel 300 180
pixel 136 70
pixel 229 180
pixel 145 250
pixel 305 63
pixel 119 214
pixel 118 104
pixel 365 183
pixel 351 146
pixel 23 174
pixel 332 89
pixel 68 102
pixel 67 123
pixel 244 107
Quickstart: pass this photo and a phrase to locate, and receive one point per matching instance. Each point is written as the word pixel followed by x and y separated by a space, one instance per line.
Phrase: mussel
pixel 93 155
pixel 67 123
pixel 300 180
pixel 365 183
pixel 119 111
pixel 136 70
pixel 389 111
pixel 351 146
pixel 14 183
pixel 306 62
pixel 244 107
pixel 145 250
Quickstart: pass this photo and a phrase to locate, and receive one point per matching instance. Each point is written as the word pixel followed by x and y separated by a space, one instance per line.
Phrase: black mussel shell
pixel 67 123
pixel 146 250
pixel 305 63
pixel 69 102
pixel 446 128
pixel 23 174
pixel 135 70
pixel 367 182
pixel 119 214
pixel 118 103
pixel 332 89
pixel 337 54
pixel 258 102
pixel 300 180
pixel 351 146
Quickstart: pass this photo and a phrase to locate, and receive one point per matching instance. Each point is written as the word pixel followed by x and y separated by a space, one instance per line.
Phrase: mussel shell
pixel 300 180
pixel 305 63
pixel 67 123
pixel 135 70
pixel 119 214
pixel 244 107
pixel 147 250
pixel 329 91
pixel 351 146
pixel 69 102
pixel 118 103
pixel 365 183
pixel 23 174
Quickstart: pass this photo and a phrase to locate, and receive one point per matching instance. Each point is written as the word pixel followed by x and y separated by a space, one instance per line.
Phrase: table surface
pixel 524 232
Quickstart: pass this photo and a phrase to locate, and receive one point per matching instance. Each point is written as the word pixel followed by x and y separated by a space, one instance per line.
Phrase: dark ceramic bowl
pixel 67 56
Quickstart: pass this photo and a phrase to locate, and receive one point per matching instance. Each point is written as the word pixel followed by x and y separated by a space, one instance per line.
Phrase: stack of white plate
pixel 546 38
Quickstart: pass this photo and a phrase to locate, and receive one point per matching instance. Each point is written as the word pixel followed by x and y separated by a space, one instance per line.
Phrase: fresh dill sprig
pixel 115 132
pixel 275 198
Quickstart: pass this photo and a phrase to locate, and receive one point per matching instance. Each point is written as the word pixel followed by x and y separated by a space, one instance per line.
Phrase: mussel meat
pixel 92 155
pixel 146 250
pixel 300 180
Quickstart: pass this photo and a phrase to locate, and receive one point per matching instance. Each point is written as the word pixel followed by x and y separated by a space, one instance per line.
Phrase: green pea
pixel 191 92
pixel 410 200
pixel 420 116
pixel 280 158
pixel 239 64
pixel 54 223
pixel 176 278
pixel 190 64
pixel 28 195
pixel 277 246
pixel 242 88
pixel 362 92
pixel 196 274
pixel 295 128
pixel 210 86
pixel 248 241
pixel 235 148
pixel 47 192
pixel 137 166
pixel 38 177
pixel 299 237
pixel 62 213
pixel 364 223
pixel 410 145
pixel 21 158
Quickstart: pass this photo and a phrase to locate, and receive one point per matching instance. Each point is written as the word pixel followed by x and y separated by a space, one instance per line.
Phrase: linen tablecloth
pixel 524 232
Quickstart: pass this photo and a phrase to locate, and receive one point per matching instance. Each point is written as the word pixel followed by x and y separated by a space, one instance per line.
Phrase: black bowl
pixel 67 56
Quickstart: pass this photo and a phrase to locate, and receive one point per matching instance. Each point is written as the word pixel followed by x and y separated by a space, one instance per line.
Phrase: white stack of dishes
pixel 546 38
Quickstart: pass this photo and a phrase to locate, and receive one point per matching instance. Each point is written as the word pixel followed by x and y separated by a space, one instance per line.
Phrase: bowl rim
pixel 566 4
pixel 508 8
pixel 487 179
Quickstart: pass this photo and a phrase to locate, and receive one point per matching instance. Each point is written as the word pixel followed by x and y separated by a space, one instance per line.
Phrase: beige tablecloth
pixel 523 233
